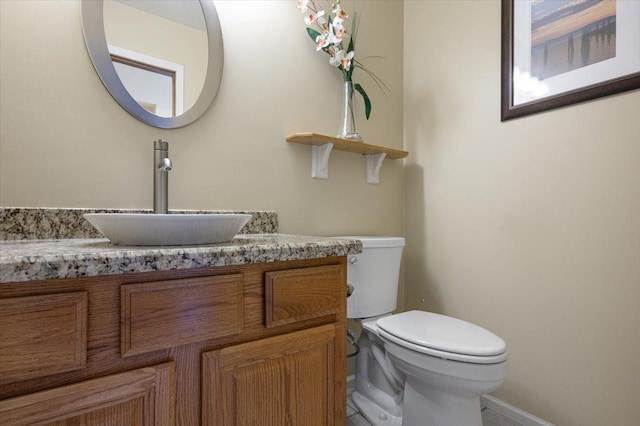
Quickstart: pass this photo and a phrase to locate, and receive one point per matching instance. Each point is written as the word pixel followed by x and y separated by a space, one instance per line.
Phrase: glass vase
pixel 348 124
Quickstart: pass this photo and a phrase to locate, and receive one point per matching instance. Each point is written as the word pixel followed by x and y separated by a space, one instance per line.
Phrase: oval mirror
pixel 160 60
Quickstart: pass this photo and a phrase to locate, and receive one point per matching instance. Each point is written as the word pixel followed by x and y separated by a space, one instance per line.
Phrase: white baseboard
pixel 513 413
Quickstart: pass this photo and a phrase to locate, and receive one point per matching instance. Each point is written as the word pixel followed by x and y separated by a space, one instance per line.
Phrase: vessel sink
pixel 142 229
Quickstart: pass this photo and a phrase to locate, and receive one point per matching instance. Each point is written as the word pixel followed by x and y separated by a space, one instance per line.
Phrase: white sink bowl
pixel 142 229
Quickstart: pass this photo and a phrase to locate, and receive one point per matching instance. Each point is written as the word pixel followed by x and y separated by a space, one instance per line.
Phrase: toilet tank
pixel 374 275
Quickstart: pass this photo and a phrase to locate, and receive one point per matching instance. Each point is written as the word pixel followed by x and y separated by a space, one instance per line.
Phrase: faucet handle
pixel 161 145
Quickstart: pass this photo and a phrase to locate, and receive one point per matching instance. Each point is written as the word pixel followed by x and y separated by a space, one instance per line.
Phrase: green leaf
pixel 312 33
pixel 367 102
pixel 352 43
pixel 354 32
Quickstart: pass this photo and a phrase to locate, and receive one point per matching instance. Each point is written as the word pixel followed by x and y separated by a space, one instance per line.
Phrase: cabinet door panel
pixel 293 379
pixel 140 397
pixel 130 413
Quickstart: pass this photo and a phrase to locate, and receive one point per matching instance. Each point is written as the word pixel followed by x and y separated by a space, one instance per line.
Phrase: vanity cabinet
pixel 235 345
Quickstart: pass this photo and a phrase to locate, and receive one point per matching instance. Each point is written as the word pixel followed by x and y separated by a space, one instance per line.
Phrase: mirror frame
pixel 95 40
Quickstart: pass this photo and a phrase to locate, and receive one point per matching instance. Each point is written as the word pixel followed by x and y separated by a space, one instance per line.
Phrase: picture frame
pixel 557 53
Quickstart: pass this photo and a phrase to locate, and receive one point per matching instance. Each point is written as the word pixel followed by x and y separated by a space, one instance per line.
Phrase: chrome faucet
pixel 161 168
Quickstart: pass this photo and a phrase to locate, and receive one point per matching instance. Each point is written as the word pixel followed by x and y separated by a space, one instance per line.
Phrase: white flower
pixel 322 41
pixel 340 59
pixel 303 5
pixel 340 13
pixel 321 20
pixel 335 34
pixel 311 19
pixel 346 61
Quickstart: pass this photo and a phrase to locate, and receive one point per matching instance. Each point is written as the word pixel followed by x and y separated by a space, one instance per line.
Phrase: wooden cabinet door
pixel 293 379
pixel 144 396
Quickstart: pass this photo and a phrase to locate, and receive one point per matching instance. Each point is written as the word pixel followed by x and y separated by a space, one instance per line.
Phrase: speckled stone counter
pixel 28 223
pixel 28 260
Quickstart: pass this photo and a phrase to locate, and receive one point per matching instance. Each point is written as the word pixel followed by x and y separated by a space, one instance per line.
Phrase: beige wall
pixel 530 228
pixel 66 143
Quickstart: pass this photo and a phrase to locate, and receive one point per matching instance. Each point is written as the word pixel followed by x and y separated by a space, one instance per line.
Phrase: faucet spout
pixel 161 167
pixel 165 165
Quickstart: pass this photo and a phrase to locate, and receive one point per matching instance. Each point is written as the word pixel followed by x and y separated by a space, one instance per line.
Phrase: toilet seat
pixel 443 337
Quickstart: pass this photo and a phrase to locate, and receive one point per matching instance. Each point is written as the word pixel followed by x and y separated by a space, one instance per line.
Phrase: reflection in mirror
pixel 161 60
pixel 153 83
pixel 152 45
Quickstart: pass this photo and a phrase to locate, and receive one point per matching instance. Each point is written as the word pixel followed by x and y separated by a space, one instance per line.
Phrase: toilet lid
pixel 441 335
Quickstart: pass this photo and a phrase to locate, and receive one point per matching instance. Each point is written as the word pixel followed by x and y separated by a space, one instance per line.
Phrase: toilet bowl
pixel 415 368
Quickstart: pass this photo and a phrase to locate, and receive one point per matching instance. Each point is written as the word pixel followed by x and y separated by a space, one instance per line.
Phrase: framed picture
pixel 560 52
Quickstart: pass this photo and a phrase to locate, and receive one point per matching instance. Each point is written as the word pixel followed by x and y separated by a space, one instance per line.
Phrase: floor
pixel 489 418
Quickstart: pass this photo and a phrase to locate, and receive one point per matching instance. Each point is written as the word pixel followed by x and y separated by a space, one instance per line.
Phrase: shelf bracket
pixel 320 160
pixel 373 165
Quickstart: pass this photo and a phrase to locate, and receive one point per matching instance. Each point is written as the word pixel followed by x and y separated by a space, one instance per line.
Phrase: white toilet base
pixel 424 405
pixel 374 414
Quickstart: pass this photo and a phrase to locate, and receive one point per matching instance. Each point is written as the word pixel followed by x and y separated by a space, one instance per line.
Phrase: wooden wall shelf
pixel 345 145
pixel 322 146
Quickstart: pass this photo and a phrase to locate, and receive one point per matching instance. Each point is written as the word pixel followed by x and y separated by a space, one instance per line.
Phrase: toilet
pixel 415 368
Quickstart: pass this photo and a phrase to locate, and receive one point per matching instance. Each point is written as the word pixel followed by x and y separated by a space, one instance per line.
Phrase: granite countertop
pixel 27 260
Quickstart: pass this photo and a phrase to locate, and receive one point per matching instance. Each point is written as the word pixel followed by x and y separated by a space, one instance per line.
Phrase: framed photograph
pixel 560 52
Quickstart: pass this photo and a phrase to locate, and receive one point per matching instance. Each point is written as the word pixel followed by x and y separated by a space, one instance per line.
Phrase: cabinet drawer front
pixel 42 335
pixel 301 294
pixel 165 314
